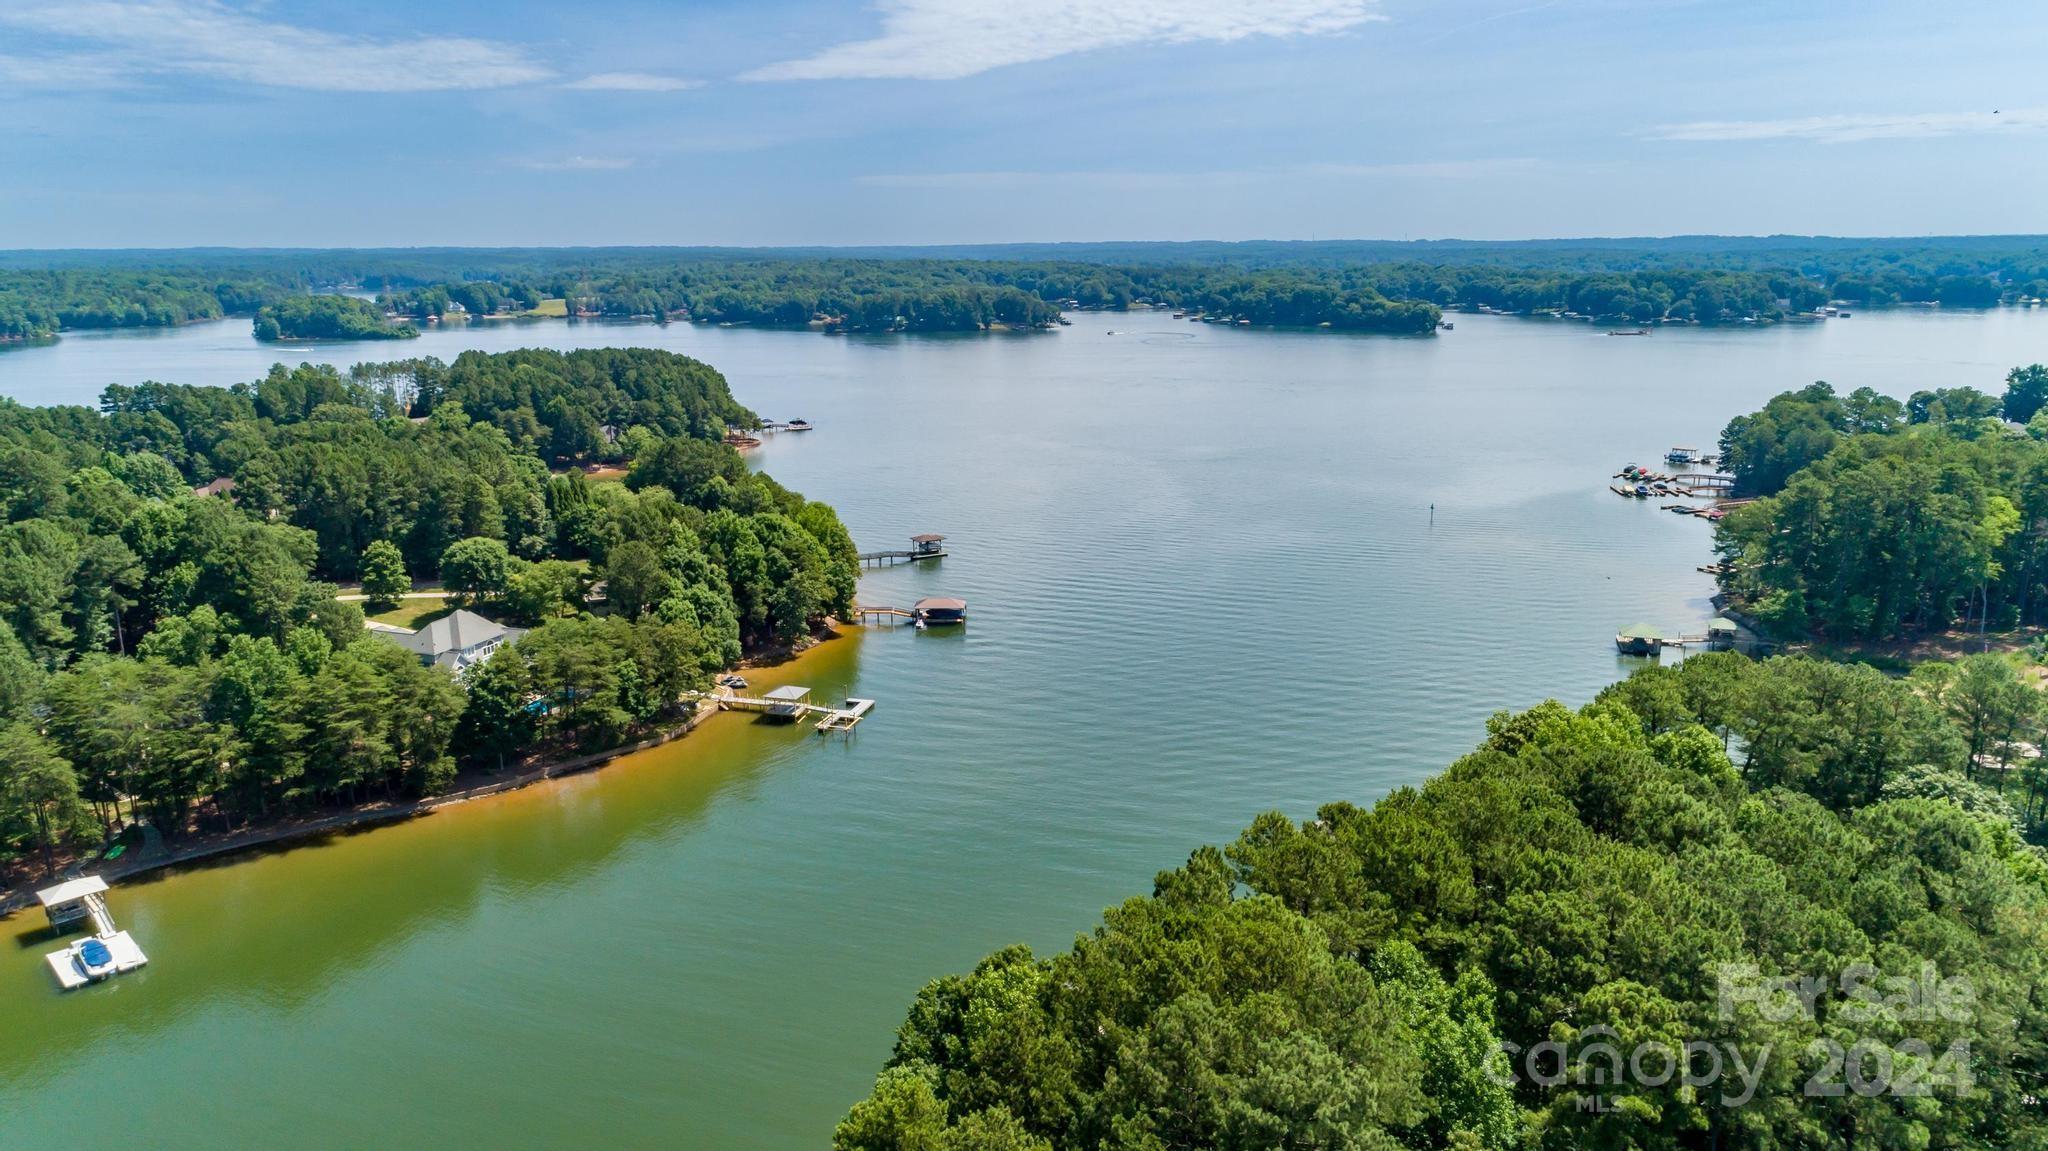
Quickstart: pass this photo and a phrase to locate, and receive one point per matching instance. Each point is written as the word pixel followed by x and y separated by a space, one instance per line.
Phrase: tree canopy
pixel 1880 519
pixel 173 647
pixel 1585 881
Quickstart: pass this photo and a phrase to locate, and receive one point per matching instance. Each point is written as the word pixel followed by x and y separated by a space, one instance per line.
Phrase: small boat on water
pixel 799 425
pixel 1629 332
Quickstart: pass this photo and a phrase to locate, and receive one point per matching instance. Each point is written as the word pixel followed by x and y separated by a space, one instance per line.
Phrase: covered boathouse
pixel 940 610
pixel 1639 639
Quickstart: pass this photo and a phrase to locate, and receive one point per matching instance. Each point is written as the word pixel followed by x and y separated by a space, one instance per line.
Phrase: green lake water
pixel 1203 582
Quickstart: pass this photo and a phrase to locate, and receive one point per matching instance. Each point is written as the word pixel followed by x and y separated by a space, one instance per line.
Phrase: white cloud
pixel 210 38
pixel 1858 126
pixel 633 82
pixel 948 39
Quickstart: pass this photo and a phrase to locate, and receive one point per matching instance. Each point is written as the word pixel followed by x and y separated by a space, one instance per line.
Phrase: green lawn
pixel 555 307
pixel 413 614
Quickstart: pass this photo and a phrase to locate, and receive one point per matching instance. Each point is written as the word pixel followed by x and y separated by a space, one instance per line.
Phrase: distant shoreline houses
pixel 456 641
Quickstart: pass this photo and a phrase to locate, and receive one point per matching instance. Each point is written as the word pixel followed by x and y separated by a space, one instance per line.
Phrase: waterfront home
pixel 456 641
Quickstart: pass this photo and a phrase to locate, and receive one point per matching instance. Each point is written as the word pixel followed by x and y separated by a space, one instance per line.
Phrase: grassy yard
pixel 412 614
pixel 556 308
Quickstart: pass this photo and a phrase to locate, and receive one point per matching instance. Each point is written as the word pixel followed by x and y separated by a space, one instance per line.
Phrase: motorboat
pixel 93 959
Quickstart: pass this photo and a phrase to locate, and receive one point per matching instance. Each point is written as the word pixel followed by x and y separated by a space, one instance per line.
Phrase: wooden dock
pixel 929 546
pixel 882 614
pixel 890 557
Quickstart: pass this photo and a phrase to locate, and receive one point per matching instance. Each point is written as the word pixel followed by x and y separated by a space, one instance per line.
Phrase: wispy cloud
pixel 576 164
pixel 633 82
pixel 949 39
pixel 1852 127
pixel 1128 180
pixel 209 38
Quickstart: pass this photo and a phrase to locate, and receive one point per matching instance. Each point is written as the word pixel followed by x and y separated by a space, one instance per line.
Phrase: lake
pixel 1205 580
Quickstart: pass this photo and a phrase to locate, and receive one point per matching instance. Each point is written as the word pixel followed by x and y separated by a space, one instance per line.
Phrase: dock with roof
pixel 105 953
pixel 922 547
pixel 792 702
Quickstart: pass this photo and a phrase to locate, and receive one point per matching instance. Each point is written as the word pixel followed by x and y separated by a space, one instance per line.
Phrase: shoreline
pixel 203 849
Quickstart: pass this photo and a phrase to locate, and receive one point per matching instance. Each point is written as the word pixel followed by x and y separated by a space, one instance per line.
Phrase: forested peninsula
pixel 1482 962
pixel 1359 286
pixel 1876 519
pixel 173 647
pixel 327 317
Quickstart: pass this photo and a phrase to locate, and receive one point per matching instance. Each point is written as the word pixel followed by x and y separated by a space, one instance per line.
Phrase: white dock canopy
pixel 789 694
pixel 71 891
pixel 75 899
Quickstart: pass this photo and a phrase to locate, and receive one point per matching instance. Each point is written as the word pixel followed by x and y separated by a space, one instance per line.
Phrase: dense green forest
pixel 327 317
pixel 42 302
pixel 182 655
pixel 1881 519
pixel 1517 954
pixel 1362 285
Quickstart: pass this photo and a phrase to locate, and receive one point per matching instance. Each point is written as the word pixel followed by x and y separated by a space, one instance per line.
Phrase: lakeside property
pixel 1163 527
pixel 153 854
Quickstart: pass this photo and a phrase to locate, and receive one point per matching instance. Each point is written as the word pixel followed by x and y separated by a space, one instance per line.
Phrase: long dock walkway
pixel 889 557
pixel 829 718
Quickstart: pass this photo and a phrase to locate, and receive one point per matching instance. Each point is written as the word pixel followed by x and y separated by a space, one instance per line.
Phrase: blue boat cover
pixel 95 953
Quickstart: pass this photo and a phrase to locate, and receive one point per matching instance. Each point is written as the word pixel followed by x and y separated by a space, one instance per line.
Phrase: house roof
pixel 221 486
pixel 459 630
pixel 71 889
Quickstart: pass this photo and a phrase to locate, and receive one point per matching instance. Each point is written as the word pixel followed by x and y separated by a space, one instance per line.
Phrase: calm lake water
pixel 1204 582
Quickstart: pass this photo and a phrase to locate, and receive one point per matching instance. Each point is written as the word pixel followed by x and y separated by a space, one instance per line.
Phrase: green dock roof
pixel 1641 631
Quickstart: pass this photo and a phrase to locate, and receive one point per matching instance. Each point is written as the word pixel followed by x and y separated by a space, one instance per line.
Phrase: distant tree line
pixel 1359 285
pixel 181 656
pixel 36 303
pixel 1517 954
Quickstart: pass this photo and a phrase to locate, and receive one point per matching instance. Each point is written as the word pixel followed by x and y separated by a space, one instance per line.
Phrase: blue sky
pixel 289 122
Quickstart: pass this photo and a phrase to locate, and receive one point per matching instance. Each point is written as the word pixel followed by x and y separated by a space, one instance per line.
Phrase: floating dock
pixel 84 900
